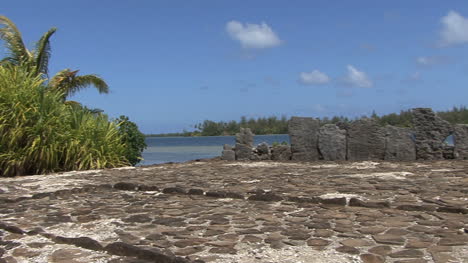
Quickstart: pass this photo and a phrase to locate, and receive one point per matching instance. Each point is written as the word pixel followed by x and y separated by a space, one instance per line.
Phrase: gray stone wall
pixel 430 134
pixel 461 141
pixel 360 140
pixel 399 144
pixel 332 143
pixel 366 141
pixel 303 134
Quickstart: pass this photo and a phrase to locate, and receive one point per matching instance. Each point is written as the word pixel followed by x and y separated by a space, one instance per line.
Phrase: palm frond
pixel 42 52
pixel 13 41
pixel 69 83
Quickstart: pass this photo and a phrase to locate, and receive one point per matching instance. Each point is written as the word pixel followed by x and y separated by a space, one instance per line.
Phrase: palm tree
pixel 37 61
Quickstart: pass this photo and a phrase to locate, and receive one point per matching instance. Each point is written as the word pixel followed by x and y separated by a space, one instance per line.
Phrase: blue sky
pixel 172 64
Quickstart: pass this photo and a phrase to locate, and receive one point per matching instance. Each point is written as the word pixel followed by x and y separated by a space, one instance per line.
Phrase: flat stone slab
pixel 220 211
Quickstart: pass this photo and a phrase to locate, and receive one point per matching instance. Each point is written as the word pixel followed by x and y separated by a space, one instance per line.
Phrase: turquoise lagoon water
pixel 182 149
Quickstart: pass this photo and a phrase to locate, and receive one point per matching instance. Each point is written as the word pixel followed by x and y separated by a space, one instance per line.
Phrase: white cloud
pixel 432 60
pixel 357 78
pixel 416 76
pixel 455 29
pixel 253 35
pixel 314 77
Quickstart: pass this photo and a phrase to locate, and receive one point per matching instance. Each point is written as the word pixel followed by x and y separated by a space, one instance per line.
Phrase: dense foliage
pixel 39 133
pixel 36 61
pixel 132 138
pixel 273 125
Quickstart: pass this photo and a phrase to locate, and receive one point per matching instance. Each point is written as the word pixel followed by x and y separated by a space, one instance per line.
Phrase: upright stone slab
pixel 366 141
pixel 332 142
pixel 303 134
pixel 461 141
pixel 430 134
pixel 243 152
pixel 399 144
pixel 245 136
pixel 281 153
pixel 244 144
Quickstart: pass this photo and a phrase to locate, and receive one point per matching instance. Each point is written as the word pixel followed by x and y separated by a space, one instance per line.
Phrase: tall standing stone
pixel 399 144
pixel 430 134
pixel 461 141
pixel 244 144
pixel 245 136
pixel 332 142
pixel 228 153
pixel 281 153
pixel 366 140
pixel 303 134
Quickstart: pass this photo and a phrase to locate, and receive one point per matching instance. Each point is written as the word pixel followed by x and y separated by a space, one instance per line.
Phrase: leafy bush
pixel 39 133
pixel 132 138
pixel 278 144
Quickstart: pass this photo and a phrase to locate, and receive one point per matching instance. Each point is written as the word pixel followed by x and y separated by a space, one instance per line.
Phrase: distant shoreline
pixel 181 135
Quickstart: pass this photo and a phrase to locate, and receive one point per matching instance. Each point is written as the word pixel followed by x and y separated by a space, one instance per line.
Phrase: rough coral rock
pixel 399 144
pixel 430 134
pixel 461 141
pixel 366 140
pixel 245 136
pixel 281 153
pixel 332 142
pixel 303 133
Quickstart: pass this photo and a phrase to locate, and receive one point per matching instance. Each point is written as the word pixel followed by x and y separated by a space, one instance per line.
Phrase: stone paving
pixel 217 211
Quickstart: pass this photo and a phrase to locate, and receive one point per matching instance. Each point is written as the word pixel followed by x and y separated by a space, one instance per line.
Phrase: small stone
pixel 141 218
pixel 419 260
pixel 223 250
pixel 333 201
pixel 407 253
pixel 251 239
pixel 442 257
pixel 188 251
pixel 371 258
pixel 372 230
pixel 189 242
pixel 24 252
pixel 84 242
pixel 173 190
pixel 453 241
pixel 356 243
pixel 318 242
pixel 389 239
pixel 414 243
pixel 381 250
pixel 269 197
pixel 348 250
pixel 323 233
pixel 126 186
pixel 396 232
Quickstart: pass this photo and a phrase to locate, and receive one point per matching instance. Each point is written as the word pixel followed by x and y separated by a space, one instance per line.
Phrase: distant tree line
pixel 275 125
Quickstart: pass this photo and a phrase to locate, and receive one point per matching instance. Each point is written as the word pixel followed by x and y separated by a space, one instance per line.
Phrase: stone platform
pixel 259 212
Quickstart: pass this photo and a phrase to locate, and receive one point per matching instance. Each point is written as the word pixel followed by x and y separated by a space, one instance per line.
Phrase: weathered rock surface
pixel 332 143
pixel 228 155
pixel 243 152
pixel 430 134
pixel 399 144
pixel 366 141
pixel 303 134
pixel 245 136
pixel 224 212
pixel 263 148
pixel 281 153
pixel 461 141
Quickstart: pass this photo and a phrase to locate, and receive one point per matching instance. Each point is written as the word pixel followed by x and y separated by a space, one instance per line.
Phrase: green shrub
pixel 278 144
pixel 40 134
pixel 133 139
